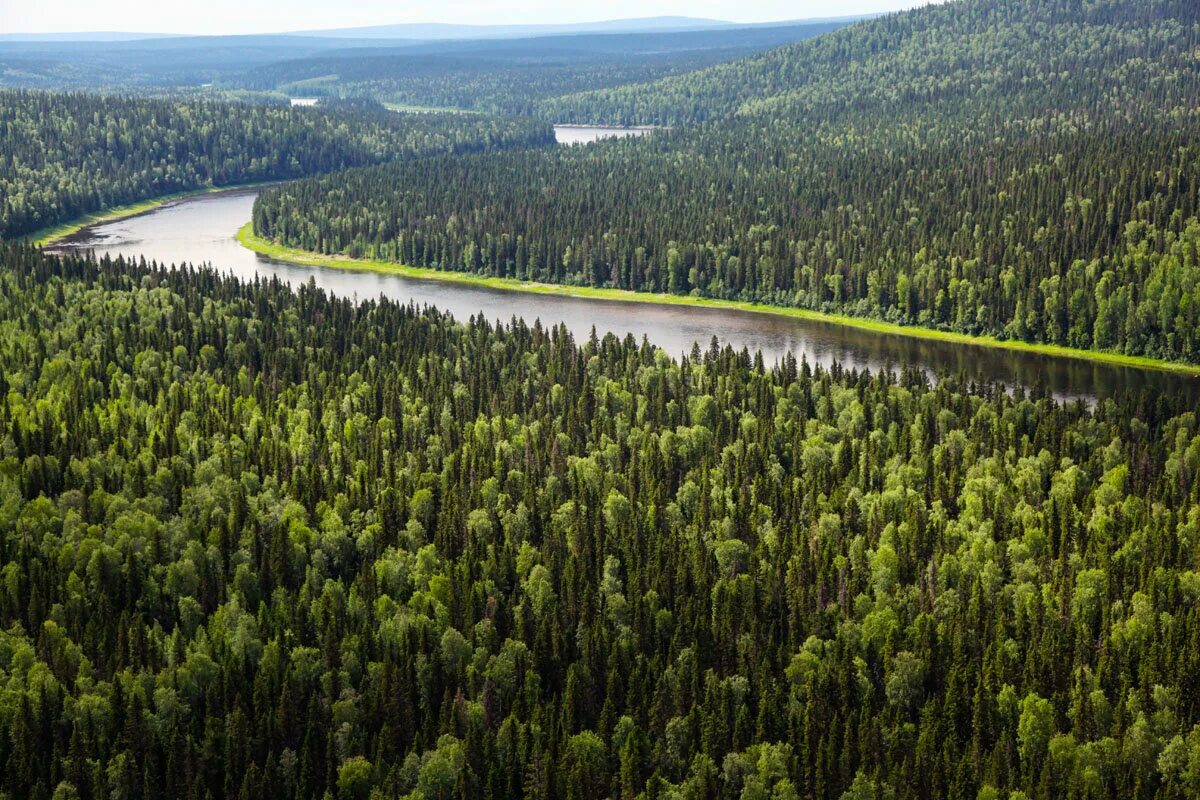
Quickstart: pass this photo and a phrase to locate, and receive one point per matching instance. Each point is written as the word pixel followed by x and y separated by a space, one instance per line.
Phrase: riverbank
pixel 249 239
pixel 56 233
pixel 579 126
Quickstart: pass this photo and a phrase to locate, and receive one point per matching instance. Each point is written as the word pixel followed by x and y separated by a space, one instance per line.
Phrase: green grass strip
pixel 253 241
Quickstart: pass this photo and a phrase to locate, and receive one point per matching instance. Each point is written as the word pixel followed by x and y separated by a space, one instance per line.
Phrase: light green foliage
pixel 370 551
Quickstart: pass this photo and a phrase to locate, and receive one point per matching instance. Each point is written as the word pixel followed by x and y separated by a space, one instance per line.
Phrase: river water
pixel 584 134
pixel 202 230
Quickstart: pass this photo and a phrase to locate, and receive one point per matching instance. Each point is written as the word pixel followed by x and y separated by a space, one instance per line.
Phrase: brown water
pixel 202 230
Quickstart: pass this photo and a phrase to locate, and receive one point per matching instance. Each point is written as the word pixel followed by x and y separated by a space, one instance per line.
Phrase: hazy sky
pixel 256 16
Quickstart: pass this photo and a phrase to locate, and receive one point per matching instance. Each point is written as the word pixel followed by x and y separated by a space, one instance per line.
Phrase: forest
pixel 1041 188
pixel 263 542
pixel 992 55
pixel 66 155
pixel 166 66
pixel 500 75
pixel 522 76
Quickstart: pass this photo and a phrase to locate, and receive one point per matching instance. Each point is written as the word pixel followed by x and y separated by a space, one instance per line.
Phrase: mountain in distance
pixel 442 30
pixel 86 36
pixel 438 31
pixel 50 62
pixel 424 31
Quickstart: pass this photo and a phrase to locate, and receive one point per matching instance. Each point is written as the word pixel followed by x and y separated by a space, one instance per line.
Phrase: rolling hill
pixel 1016 169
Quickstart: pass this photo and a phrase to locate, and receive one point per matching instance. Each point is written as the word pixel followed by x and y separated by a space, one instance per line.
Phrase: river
pixel 585 134
pixel 202 230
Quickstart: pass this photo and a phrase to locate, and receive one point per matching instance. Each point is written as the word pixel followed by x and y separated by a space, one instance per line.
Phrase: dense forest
pixel 173 64
pixel 1020 169
pixel 259 541
pixel 520 76
pixel 65 155
pixel 1014 56
pixel 501 75
pixel 265 543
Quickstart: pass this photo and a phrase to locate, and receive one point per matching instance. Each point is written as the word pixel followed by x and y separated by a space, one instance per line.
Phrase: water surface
pixel 202 230
pixel 584 134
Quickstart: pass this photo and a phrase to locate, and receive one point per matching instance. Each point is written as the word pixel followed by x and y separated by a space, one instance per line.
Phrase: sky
pixel 266 16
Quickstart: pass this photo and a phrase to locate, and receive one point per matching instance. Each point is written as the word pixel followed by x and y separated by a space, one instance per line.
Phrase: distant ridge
pixel 86 36
pixel 441 30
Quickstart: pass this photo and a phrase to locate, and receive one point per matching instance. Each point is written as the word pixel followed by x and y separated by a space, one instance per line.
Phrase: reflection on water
pixel 583 134
pixel 201 230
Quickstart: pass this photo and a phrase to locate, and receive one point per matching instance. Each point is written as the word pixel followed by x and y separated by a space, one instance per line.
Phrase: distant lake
pixel 583 134
pixel 202 230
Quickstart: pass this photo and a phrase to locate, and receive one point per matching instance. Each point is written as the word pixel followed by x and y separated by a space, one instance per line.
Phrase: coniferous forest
pixel 260 542
pixel 66 155
pixel 526 76
pixel 1020 169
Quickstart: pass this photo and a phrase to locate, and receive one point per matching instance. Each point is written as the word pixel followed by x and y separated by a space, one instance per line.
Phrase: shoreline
pixel 577 126
pixel 250 240
pixel 54 234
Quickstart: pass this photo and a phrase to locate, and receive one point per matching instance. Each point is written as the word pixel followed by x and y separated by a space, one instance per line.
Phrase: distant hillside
pixel 990 50
pixel 515 76
pixel 171 61
pixel 339 58
pixel 82 36
pixel 439 31
pixel 1017 168
pixel 451 31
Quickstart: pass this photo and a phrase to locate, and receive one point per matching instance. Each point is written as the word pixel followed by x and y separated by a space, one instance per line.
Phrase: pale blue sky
pixel 259 16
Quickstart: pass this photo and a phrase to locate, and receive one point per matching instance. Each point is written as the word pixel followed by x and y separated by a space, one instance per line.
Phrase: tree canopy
pixel 1019 169
pixel 262 542
pixel 66 155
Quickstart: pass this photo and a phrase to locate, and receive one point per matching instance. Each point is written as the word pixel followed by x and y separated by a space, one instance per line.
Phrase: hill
pixel 1002 54
pixel 81 36
pixel 66 155
pixel 491 73
pixel 1021 169
pixel 515 76
pixel 187 61
pixel 428 31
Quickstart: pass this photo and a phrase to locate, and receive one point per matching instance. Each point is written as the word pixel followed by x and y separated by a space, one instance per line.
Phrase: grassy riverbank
pixel 251 240
pixel 56 233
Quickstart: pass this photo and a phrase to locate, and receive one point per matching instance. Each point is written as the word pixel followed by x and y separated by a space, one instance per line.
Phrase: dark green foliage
pixel 956 58
pixel 1021 169
pixel 257 543
pixel 65 155
pixel 521 76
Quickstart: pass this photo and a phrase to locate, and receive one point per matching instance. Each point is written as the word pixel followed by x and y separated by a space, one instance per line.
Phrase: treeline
pixel 265 543
pixel 1068 54
pixel 488 84
pixel 517 76
pixel 66 155
pixel 1025 170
